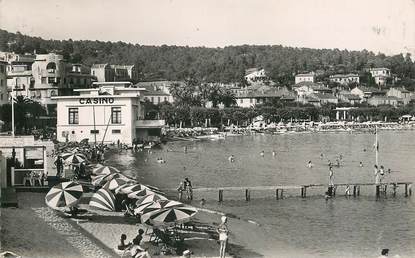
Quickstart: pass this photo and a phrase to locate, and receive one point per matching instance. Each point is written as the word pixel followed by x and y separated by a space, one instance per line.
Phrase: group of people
pixel 380 174
pixel 185 186
pixel 134 248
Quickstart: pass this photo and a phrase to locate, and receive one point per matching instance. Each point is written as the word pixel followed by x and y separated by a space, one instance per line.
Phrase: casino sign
pixel 87 101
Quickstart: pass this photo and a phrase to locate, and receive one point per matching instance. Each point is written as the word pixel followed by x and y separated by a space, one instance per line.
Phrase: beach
pixel 35 230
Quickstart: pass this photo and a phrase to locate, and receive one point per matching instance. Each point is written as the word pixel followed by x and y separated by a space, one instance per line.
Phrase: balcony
pixel 150 123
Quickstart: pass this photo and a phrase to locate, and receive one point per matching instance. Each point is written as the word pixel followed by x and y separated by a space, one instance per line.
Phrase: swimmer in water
pixel 274 153
pixel 262 153
pixel 321 155
pixel 309 165
pixel 231 158
pixel 360 164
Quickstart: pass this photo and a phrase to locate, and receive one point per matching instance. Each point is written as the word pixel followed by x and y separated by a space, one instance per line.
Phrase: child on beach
pixel 122 246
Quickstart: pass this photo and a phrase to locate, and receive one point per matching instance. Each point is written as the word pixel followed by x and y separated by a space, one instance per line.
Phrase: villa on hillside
pixel 255 75
pixel 380 75
pixel 345 79
pixel 305 77
pixel 384 100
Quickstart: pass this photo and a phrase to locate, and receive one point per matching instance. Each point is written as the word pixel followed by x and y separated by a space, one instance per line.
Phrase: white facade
pixel 256 76
pixel 4 96
pixel 345 79
pixel 380 75
pixel 106 114
pixel 307 77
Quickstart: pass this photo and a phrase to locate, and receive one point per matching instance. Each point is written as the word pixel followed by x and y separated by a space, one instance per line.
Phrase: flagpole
pixel 13 134
pixel 376 145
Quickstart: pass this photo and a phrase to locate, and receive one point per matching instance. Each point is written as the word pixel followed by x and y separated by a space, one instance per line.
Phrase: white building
pixel 4 97
pixel 380 75
pixel 254 75
pixel 345 79
pixel 305 77
pixel 111 112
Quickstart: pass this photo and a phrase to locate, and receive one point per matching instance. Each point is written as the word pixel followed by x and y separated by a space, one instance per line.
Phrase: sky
pixel 386 26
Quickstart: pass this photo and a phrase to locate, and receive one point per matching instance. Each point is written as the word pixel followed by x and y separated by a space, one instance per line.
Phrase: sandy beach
pixel 35 230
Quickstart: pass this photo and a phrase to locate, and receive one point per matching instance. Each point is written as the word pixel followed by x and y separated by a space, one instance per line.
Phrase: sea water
pixel 340 227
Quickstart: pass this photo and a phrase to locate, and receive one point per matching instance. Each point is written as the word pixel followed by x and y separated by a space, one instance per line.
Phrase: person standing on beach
pixel 59 166
pixel 189 189
pixel 180 190
pixel 223 232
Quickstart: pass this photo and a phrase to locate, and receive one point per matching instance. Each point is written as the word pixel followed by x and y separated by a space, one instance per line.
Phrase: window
pixel 1 82
pixel 250 100
pixel 152 99
pixel 158 99
pixel 1 96
pixel 116 131
pixel 51 80
pixel 165 99
pixel 73 116
pixel 43 80
pixel 94 131
pixel 241 101
pixel 116 115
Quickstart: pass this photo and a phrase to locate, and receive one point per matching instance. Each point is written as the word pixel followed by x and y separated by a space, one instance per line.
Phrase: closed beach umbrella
pixel 103 199
pixel 100 180
pixel 127 189
pixel 105 170
pixel 139 194
pixel 65 194
pixel 73 158
pixel 115 183
pixel 150 198
pixel 146 208
pixel 170 216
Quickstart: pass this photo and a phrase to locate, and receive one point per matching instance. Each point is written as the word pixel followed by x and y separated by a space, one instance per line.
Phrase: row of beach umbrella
pixel 152 207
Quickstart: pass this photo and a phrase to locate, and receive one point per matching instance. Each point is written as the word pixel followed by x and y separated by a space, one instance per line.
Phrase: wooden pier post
pixel 385 189
pixel 276 194
pixel 302 192
pixel 247 195
pixel 377 191
pixel 220 195
pixel 281 193
pixel 410 189
pixel 358 190
pixel 334 191
pixel 354 190
pixel 394 186
pixel 406 190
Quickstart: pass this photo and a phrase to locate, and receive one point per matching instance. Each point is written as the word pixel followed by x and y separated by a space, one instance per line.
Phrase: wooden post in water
pixel 410 189
pixel 377 191
pixel 281 193
pixel 394 186
pixel 277 194
pixel 220 195
pixel 247 195
pixel 354 190
pixel 385 189
pixel 334 191
pixel 302 192
pixel 406 190
pixel 358 190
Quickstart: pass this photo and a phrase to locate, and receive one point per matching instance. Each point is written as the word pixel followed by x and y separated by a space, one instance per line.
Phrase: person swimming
pixel 262 153
pixel 309 164
pixel 231 158
pixel 274 153
pixel 360 164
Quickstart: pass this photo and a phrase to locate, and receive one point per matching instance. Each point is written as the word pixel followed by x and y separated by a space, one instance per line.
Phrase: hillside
pixel 210 64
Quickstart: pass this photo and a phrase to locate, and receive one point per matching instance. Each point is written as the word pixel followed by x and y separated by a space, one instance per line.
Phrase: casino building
pixel 109 112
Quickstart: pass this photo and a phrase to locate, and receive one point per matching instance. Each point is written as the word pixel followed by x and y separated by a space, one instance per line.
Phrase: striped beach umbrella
pixel 65 194
pixel 100 180
pixel 103 199
pixel 170 216
pixel 115 183
pixel 73 158
pixel 147 208
pixel 141 193
pixel 105 170
pixel 150 198
pixel 129 188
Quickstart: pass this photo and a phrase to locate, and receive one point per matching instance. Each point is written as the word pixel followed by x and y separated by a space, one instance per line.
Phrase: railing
pixel 150 123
